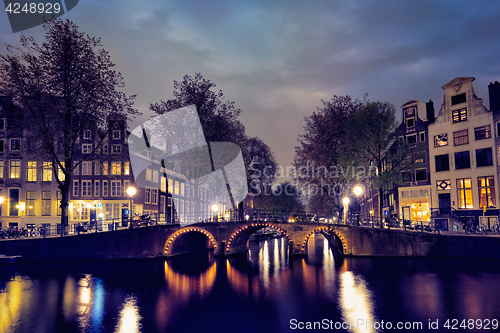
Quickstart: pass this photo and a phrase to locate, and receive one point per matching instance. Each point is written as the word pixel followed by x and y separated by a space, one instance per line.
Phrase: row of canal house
pixel 30 195
pixel 455 177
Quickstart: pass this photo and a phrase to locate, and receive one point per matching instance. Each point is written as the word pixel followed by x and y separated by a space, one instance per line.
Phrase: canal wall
pixel 383 242
pixel 139 243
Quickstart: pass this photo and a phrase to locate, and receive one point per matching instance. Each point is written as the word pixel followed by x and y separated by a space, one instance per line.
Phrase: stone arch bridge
pixel 231 238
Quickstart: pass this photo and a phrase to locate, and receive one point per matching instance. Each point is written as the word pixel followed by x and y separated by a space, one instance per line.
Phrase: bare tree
pixel 63 86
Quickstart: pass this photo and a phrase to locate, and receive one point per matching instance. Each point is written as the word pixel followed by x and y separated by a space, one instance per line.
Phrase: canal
pixel 259 291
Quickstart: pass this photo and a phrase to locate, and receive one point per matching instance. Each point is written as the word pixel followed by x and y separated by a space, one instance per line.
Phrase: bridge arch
pixel 238 241
pixel 327 231
pixel 170 242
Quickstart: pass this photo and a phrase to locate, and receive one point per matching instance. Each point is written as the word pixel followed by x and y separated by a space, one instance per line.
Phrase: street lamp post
pixel 131 192
pixel 215 208
pixel 358 190
pixel 345 201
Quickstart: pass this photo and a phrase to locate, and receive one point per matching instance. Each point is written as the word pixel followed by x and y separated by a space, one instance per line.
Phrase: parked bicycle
pixel 473 229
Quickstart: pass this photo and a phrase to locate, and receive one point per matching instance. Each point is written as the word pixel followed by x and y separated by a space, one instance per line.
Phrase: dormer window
pixel 116 134
pixel 87 134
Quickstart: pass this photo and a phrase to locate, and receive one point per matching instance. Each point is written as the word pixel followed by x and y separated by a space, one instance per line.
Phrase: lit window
pixel 126 168
pixel 163 185
pixel 15 169
pixel 443 185
pixel 30 203
pixel 176 188
pixel 459 115
pixel 47 172
pixel 60 173
pixel 116 168
pixel 483 132
pixel 441 140
pixel 464 193
pixel 105 168
pixel 31 169
pixel 170 185
pixel 155 176
pixel 149 175
pixel 461 137
pixel 486 187
pixel 1 168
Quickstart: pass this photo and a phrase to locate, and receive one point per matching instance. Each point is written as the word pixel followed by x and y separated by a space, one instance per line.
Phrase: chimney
pixel 429 107
pixel 494 90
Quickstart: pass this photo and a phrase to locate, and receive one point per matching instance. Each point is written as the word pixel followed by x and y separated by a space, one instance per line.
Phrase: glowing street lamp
pixel 358 190
pixel 131 192
pixel 345 201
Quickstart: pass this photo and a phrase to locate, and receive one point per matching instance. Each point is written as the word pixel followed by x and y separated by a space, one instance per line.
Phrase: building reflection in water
pixel 129 320
pixel 14 301
pixel 180 289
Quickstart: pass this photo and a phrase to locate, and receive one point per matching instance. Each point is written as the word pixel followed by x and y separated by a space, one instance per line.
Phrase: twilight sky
pixel 276 59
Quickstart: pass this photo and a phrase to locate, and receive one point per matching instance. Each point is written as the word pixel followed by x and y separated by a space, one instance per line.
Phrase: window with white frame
pixel 46 171
pixel 1 168
pixel 147 197
pixel 86 168
pixel 154 197
pixel 86 188
pixel 116 168
pixel 162 204
pixel 116 188
pixel 182 189
pixel 86 148
pixel 105 191
pixel 116 134
pixel 87 134
pixel 163 184
pixel 15 169
pixel 126 168
pixel 31 171
pixel 149 175
pixel 187 190
pixel 75 188
pixel 97 190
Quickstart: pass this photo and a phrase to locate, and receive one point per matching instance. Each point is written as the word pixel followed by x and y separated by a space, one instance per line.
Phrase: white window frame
pixel 116 137
pixel 87 134
pixel 76 188
pixel 116 188
pixel 97 189
pixel 116 149
pixel 86 148
pixel 86 188
pixel 105 188
pixel 87 168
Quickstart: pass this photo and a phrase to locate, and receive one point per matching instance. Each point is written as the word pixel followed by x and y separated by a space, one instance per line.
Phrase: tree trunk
pixel 64 205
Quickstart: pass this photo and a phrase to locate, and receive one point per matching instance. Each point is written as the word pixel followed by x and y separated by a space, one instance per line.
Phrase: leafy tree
pixel 372 137
pixel 62 86
pixel 219 121
pixel 323 171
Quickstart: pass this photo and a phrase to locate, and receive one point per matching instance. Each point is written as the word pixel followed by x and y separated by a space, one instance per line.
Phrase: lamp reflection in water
pixel 129 320
pixel 355 302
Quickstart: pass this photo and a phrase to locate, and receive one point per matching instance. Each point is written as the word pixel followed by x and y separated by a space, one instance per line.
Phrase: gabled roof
pixel 458 81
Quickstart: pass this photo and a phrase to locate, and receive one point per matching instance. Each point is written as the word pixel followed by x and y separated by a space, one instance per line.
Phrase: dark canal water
pixel 262 291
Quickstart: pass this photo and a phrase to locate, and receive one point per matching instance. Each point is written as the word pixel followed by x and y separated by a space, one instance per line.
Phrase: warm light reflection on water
pixel 129 320
pixel 356 302
pixel 261 291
